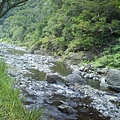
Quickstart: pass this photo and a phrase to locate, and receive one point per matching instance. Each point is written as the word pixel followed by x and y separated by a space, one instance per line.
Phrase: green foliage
pixel 68 25
pixel 108 61
pixel 110 56
pixel 118 3
pixel 42 42
pixel 11 107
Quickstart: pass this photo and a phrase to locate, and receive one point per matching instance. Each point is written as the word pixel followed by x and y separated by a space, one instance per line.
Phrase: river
pixel 61 102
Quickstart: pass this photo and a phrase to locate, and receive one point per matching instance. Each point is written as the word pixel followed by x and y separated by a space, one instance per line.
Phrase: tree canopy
pixel 65 26
pixel 7 5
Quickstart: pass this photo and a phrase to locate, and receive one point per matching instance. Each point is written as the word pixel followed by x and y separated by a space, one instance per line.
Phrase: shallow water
pixel 96 84
pixel 17 52
pixel 61 68
pixel 36 74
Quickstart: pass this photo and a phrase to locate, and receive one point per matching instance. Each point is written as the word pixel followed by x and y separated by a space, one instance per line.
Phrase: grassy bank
pixel 11 107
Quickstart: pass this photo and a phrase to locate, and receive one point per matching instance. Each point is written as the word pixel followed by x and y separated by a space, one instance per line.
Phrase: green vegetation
pixel 65 26
pixel 11 107
pixel 111 57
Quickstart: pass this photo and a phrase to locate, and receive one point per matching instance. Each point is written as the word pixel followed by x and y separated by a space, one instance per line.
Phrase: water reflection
pixel 61 68
pixel 36 74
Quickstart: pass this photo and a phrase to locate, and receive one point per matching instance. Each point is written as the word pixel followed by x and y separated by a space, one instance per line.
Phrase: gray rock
pixel 74 78
pixel 87 76
pixel 91 75
pixel 29 91
pixel 82 68
pixel 102 70
pixel 113 79
pixel 28 101
pixel 103 83
pixel 77 72
pixel 56 114
pixel 115 118
pixel 49 93
pixel 60 91
pixel 53 78
pixel 61 102
pixel 87 67
pixel 49 101
pixel 66 109
pixel 96 78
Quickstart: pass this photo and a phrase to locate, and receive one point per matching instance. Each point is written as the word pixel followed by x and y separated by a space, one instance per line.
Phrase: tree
pixel 7 5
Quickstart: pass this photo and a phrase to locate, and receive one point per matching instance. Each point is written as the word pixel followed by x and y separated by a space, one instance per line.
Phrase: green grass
pixel 11 107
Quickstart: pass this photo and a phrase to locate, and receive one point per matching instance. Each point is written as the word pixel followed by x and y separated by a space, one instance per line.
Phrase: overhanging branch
pixel 6 6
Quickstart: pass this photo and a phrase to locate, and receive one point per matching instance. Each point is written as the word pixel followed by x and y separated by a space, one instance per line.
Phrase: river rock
pixel 81 68
pixel 87 76
pixel 74 78
pixel 113 79
pixel 103 83
pixel 53 78
pixel 91 75
pixel 28 101
pixel 30 92
pixel 53 113
pixel 66 109
pixel 102 70
pixel 77 72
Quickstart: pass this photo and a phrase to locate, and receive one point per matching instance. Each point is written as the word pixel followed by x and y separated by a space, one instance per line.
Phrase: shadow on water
pixel 36 74
pixel 89 113
pixel 61 68
pixel 85 112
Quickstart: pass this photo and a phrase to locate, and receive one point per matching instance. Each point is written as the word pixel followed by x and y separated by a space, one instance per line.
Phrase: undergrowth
pixel 11 107
pixel 111 57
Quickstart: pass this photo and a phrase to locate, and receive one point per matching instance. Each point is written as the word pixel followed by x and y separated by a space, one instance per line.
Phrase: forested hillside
pixel 66 26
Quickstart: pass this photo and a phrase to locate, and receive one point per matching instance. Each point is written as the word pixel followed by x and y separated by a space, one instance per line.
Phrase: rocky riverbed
pixel 66 93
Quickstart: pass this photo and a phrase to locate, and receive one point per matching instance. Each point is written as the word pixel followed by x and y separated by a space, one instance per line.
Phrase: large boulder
pixel 113 79
pixel 74 78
